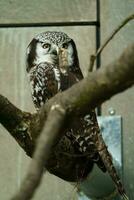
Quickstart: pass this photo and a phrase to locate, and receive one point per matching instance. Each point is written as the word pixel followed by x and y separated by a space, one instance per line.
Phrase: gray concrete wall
pixel 15 11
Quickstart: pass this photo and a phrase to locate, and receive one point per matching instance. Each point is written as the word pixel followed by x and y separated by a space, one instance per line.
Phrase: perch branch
pixel 115 31
pixel 17 123
pixel 91 91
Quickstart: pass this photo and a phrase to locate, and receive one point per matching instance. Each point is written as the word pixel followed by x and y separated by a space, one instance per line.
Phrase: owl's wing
pixel 45 82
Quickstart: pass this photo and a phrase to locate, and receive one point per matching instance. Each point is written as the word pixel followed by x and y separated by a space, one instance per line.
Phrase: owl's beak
pixel 54 52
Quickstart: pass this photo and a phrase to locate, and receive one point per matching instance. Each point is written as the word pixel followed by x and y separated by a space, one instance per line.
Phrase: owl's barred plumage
pixel 45 82
pixel 53 66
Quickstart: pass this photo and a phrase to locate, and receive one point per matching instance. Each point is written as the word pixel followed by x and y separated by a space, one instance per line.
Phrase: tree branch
pixel 18 123
pixel 88 93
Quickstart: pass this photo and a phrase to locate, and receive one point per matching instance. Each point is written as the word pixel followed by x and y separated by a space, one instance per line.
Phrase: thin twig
pixel 115 31
pixel 45 142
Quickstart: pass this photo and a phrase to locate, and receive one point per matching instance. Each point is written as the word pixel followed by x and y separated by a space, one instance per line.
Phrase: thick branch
pixel 98 86
pixel 17 123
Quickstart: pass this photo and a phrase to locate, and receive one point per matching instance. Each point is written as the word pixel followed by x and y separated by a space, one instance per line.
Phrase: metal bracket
pixel 98 185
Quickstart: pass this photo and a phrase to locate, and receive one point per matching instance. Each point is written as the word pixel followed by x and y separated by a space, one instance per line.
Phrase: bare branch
pixel 115 31
pixel 17 123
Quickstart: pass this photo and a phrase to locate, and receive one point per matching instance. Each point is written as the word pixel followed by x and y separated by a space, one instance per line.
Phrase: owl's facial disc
pixel 61 53
pixel 46 52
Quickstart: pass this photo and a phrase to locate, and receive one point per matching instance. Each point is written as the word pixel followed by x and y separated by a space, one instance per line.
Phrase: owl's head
pixel 45 47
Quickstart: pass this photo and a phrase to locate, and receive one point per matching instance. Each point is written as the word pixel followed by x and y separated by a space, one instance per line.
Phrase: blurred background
pixel 20 21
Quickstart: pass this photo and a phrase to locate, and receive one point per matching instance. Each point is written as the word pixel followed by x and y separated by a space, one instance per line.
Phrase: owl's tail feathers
pixel 112 172
pixel 124 197
pixel 107 160
pixel 122 193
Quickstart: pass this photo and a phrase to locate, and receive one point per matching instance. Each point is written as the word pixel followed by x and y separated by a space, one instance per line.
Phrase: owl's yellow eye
pixel 65 45
pixel 46 46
